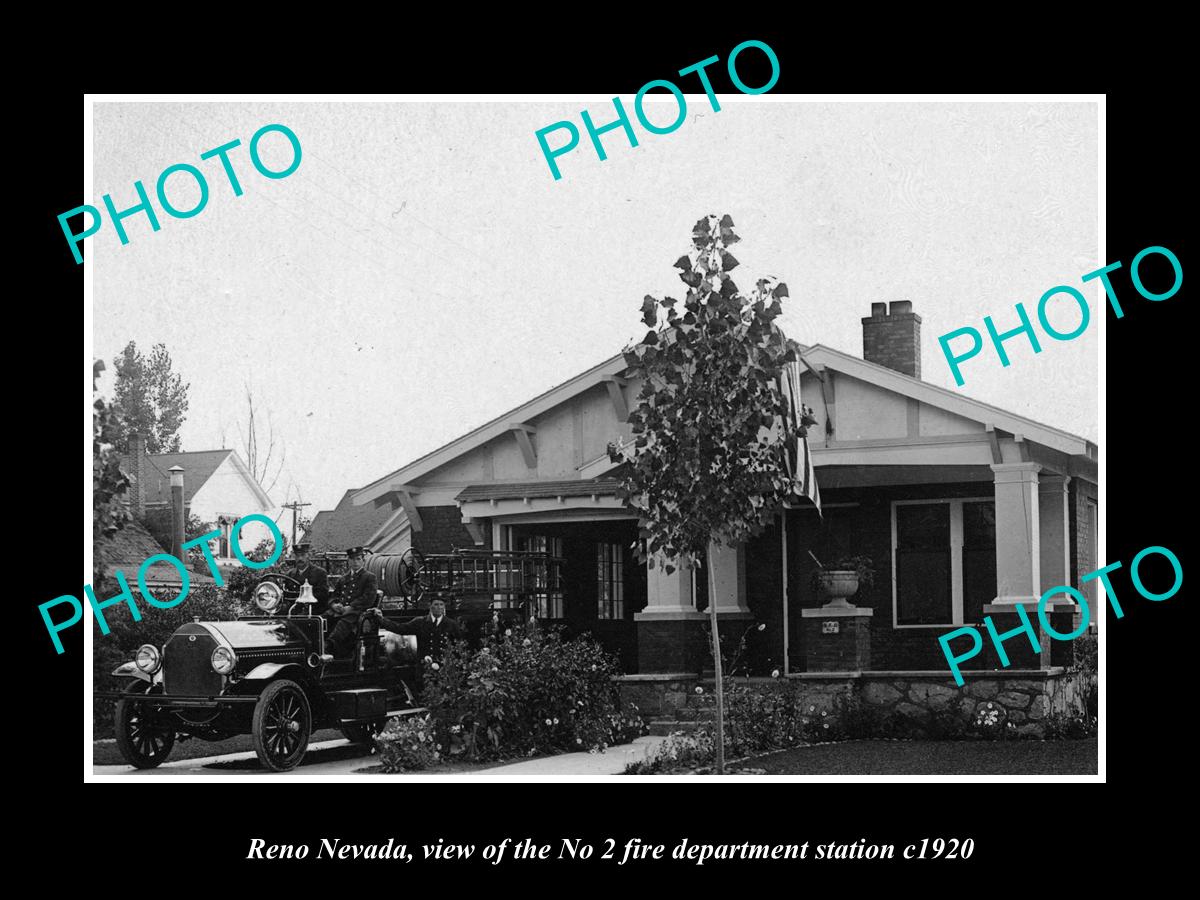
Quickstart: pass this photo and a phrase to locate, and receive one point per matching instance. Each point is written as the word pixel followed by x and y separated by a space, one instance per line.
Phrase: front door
pixel 603 585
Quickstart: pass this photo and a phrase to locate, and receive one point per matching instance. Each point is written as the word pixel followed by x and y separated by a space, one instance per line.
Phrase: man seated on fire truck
pixel 357 593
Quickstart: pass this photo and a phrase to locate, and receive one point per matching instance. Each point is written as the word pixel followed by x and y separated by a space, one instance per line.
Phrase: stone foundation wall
pixel 912 699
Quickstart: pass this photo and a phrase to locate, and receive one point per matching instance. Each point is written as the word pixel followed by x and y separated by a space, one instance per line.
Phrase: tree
pixel 109 484
pixel 152 396
pixel 713 427
pixel 264 458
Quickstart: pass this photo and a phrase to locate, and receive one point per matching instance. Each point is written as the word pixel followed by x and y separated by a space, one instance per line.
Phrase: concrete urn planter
pixel 838 586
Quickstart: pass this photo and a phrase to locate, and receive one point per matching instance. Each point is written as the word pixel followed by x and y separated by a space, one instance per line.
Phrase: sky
pixel 422 272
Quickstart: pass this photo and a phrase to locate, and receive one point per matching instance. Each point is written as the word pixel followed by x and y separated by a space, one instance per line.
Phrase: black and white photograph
pixel 503 438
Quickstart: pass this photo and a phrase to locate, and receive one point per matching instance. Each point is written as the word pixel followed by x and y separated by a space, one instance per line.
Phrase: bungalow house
pixel 217 488
pixel 964 509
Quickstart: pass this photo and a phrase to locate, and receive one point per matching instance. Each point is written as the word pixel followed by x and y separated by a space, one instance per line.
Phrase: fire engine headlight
pixel 267 596
pixel 223 660
pixel 147 659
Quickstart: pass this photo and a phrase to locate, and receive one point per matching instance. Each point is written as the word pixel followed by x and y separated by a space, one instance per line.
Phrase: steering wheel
pixel 412 572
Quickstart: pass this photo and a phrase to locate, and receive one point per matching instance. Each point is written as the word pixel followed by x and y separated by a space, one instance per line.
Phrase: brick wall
pixel 1083 554
pixel 893 340
pixel 443 531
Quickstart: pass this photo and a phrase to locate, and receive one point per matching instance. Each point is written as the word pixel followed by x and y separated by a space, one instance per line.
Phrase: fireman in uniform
pixel 317 578
pixel 357 593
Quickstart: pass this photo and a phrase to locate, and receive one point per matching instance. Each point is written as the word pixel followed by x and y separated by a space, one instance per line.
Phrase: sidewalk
pixel 342 767
pixel 611 762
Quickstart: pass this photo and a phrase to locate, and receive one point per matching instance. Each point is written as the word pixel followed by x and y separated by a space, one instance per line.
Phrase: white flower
pixel 556 720
pixel 812 709
pixel 579 740
pixel 824 714
pixel 826 725
pixel 439 746
pixel 526 642
pixel 429 659
pixel 774 673
pixel 699 690
pixel 547 721
pixel 989 706
pixel 508 632
pixel 436 667
pixel 762 627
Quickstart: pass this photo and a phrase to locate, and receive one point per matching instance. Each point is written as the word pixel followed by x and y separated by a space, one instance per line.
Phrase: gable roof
pixel 131 546
pixel 346 525
pixel 976 410
pixel 198 465
pixel 498 426
pixel 812 356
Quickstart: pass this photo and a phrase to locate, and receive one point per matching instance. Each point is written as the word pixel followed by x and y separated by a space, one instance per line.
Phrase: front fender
pixel 268 671
pixel 130 670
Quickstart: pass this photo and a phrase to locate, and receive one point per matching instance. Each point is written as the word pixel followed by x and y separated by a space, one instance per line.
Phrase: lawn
pixel 1074 757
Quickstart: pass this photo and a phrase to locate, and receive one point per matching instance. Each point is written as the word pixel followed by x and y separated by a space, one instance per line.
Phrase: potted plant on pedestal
pixel 838 583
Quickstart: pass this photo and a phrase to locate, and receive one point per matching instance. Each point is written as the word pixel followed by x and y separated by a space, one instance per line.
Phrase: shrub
pixel 1070 726
pixel 678 752
pixel 1087 663
pixel 525 692
pixel 408 743
pixel 125 635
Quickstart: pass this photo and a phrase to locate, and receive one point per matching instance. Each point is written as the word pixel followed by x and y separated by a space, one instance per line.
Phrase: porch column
pixel 1054 529
pixel 1018 527
pixel 1054 510
pixel 1018 559
pixel 729 568
pixel 669 639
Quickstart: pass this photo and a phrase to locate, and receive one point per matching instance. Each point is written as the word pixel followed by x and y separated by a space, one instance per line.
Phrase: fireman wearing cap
pixel 357 593
pixel 317 578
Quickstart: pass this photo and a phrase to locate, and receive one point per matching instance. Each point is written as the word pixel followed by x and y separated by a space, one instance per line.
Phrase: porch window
pixel 610 580
pixel 944 560
pixel 548 605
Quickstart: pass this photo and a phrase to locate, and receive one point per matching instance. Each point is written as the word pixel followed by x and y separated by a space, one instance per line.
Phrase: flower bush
pixel 1070 726
pixel 525 692
pixel 407 743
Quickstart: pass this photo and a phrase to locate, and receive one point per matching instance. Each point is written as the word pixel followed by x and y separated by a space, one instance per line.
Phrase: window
pixel 548 605
pixel 943 560
pixel 610 580
pixel 224 525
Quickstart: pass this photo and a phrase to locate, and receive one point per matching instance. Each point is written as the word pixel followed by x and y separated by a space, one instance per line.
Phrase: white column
pixel 729 569
pixel 668 596
pixel 1054 530
pixel 1018 545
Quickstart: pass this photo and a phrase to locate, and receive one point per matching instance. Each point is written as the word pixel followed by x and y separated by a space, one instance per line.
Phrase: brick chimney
pixel 893 338
pixel 137 472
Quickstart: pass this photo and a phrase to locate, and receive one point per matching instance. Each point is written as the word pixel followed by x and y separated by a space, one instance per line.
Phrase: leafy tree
pixel 109 483
pixel 712 428
pixel 158 522
pixel 152 396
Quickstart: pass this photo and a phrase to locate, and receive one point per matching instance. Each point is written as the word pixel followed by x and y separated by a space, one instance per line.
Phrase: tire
pixel 144 739
pixel 362 734
pixel 282 725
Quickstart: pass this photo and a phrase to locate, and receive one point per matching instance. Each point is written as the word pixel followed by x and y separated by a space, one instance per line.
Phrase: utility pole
pixel 295 506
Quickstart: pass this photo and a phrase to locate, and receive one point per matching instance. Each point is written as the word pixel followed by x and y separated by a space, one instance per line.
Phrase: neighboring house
pixel 965 509
pixel 217 488
pixel 129 548
pixel 347 525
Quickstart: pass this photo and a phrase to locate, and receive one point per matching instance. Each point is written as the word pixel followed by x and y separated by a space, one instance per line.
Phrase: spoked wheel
pixel 412 573
pixel 362 734
pixel 144 735
pixel 282 724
